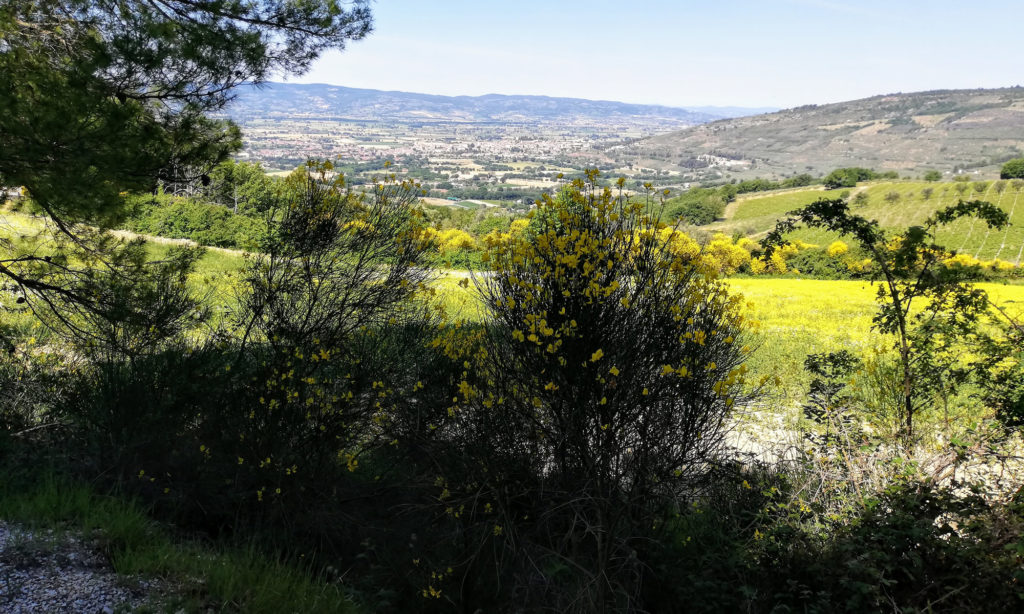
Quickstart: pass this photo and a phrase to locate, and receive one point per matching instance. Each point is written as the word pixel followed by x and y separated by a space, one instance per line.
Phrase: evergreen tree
pixel 104 97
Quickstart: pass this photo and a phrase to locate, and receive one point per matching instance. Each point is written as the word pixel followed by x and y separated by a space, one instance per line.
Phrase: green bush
pixel 698 206
pixel 204 223
pixel 815 262
pixel 848 177
pixel 914 547
pixel 594 401
pixel 33 385
pixel 136 419
pixel 1013 169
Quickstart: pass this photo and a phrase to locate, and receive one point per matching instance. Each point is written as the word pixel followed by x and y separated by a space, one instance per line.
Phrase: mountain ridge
pixel 908 132
pixel 292 100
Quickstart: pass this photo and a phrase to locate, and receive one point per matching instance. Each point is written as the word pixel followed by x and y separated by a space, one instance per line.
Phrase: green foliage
pixel 598 392
pixel 334 262
pixel 797 181
pixel 754 544
pixel 816 262
pixel 1014 169
pixel 101 292
pixel 204 223
pixel 910 266
pixel 338 271
pixel 848 177
pixel 103 98
pixel 910 548
pixel 828 401
pixel 31 385
pixel 242 186
pixel 932 175
pixel 697 206
pixel 1001 376
pixel 763 185
pixel 755 185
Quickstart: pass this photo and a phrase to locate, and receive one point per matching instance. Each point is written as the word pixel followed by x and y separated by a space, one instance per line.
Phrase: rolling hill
pixel 896 204
pixel 294 100
pixel 945 130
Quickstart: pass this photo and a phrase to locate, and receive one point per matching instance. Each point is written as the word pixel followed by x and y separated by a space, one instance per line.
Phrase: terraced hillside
pixel 908 133
pixel 898 204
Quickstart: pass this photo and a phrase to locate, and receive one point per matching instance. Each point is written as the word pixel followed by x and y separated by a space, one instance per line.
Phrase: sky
pixel 753 53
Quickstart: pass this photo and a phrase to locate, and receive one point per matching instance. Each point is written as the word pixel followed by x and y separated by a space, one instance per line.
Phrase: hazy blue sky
pixel 780 53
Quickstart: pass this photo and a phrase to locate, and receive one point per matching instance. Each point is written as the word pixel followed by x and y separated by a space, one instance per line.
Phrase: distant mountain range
pixel 294 100
pixel 908 133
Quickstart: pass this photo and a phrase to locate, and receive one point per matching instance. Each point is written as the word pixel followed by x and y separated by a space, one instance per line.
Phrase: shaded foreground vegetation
pixel 590 443
pixel 594 441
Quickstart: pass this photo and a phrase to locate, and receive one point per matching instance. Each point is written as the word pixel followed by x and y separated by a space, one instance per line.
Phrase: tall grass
pixel 204 577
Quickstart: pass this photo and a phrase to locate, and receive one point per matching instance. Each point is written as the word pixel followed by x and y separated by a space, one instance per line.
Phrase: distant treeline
pixel 849 177
pixel 701 206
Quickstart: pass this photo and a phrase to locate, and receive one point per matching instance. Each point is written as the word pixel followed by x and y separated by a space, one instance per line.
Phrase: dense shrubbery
pixel 568 453
pixel 204 223
pixel 593 403
pixel 849 177
pixel 1014 169
pixel 698 206
pixel 763 185
pixel 701 206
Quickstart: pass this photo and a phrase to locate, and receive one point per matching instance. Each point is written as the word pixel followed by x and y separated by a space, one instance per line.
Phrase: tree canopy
pixel 1014 169
pixel 105 97
pixel 102 98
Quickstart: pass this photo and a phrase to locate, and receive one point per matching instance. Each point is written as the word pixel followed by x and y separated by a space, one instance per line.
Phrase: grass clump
pixel 196 576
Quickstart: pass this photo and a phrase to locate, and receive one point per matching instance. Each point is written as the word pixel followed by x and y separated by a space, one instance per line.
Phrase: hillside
pixel 319 101
pixel 908 133
pixel 897 205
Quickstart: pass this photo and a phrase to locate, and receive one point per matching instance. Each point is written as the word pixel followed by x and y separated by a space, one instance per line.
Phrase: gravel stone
pixel 47 571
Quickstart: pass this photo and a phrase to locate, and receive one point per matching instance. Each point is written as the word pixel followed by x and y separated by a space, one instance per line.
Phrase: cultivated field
pixel 898 205
pixel 795 317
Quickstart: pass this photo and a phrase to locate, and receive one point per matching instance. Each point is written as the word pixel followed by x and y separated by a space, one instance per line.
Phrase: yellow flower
pixel 596 356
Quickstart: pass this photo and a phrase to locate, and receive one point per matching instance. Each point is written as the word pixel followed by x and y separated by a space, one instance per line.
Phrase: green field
pixel 215 278
pixel 757 214
pixel 794 317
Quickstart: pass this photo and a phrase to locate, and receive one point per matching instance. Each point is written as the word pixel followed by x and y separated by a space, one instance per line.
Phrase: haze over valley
pixel 512 148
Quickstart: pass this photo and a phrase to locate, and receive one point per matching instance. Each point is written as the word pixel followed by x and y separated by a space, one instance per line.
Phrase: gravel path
pixel 48 571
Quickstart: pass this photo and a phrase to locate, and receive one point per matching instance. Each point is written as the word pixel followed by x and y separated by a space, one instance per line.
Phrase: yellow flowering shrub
pixel 837 249
pixel 729 256
pixel 454 238
pixel 611 360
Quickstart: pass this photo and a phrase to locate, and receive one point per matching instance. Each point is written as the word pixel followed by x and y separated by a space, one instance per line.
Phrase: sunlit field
pixel 794 318
pixel 897 205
